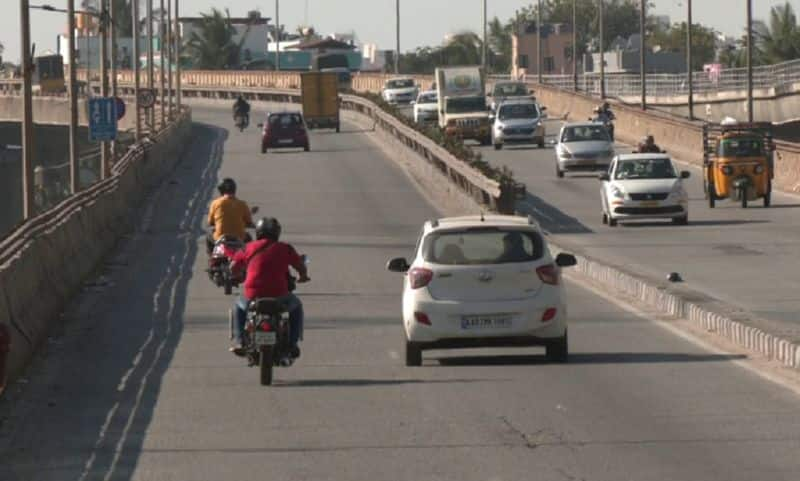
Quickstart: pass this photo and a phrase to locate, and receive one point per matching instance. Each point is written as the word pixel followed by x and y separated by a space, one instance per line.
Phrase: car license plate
pixel 650 203
pixel 485 322
pixel 265 338
pixel 285 141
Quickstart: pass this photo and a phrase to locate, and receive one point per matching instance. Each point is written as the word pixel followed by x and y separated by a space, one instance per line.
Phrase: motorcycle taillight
pixel 265 326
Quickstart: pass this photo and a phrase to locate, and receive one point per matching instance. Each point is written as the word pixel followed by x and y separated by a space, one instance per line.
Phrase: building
pixel 329 47
pixel 624 57
pixel 254 29
pixel 87 49
pixel 556 49
pixel 373 59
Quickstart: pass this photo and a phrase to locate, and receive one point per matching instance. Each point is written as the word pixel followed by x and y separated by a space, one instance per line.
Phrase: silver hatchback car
pixel 583 146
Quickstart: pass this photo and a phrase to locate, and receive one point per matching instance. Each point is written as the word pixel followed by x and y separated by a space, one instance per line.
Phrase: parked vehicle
pixel 483 281
pixel 739 163
pixel 462 103
pixel 518 121
pixel 582 147
pixel 644 186
pixel 284 130
pixel 320 97
pixel 509 90
pixel 400 90
pixel 426 107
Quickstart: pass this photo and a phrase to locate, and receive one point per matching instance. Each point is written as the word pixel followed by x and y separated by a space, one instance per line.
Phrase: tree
pixel 463 49
pixel 779 40
pixel 212 46
pixel 500 45
pixel 673 39
pixel 123 18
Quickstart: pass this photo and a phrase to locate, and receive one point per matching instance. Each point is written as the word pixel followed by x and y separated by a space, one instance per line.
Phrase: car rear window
pixel 285 120
pixel 482 246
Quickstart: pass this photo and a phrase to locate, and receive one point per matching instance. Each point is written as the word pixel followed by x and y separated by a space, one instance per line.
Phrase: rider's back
pixel 268 268
pixel 229 216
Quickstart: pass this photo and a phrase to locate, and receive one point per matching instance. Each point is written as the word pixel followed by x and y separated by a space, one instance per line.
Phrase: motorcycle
pixel 242 121
pixel 608 122
pixel 219 264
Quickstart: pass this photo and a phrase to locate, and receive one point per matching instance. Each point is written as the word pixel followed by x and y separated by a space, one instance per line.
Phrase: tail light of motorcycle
pixel 265 326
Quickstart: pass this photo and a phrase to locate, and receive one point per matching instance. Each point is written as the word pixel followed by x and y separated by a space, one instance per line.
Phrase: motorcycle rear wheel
pixel 265 365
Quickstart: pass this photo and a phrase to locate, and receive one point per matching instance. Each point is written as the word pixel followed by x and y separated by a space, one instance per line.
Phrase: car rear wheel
pixel 712 196
pixel 307 147
pixel 413 354
pixel 559 172
pixel 541 144
pixel 681 220
pixel 612 222
pixel 498 146
pixel 605 218
pixel 558 349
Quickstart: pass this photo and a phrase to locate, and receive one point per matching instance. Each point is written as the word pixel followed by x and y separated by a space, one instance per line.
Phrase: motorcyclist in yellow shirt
pixel 228 215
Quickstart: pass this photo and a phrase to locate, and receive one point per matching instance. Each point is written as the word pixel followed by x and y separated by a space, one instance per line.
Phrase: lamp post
pixel 162 32
pixel 485 37
pixel 171 55
pixel 749 60
pixel 72 86
pixel 575 44
pixel 137 84
pixel 104 154
pixel 150 67
pixel 689 57
pixel 397 28
pixel 178 53
pixel 602 53
pixel 27 113
pixel 278 35
pixel 643 51
pixel 539 42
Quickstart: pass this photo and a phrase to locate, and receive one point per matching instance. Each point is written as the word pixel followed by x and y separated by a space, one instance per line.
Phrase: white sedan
pixel 426 107
pixel 644 186
pixel 483 282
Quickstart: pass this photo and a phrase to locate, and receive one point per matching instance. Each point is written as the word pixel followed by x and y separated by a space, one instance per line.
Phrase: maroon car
pixel 284 130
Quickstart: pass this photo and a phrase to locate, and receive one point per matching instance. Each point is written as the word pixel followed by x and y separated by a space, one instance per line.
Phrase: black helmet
pixel 650 140
pixel 268 228
pixel 227 186
pixel 606 105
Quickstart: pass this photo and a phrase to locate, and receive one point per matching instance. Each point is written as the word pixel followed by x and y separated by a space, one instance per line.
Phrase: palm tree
pixel 213 46
pixel 779 40
pixel 500 45
pixel 463 49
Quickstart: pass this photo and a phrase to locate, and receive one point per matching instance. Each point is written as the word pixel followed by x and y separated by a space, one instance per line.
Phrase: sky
pixel 423 22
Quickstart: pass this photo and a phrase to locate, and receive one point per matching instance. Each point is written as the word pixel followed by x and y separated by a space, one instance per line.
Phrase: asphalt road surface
pixel 140 385
pixel 747 258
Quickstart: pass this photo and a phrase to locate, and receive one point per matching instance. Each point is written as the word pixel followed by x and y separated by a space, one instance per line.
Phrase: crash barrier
pixel 45 260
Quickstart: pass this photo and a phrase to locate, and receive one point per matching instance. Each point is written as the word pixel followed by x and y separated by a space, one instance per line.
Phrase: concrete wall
pixel 53 110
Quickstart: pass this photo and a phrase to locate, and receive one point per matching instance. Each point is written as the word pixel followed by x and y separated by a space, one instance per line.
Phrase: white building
pixel 374 58
pixel 254 29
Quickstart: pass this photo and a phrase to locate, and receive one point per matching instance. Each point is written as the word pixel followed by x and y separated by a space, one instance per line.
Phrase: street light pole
pixel 689 43
pixel 28 207
pixel 136 69
pixel 72 85
pixel 539 42
pixel 112 29
pixel 278 35
pixel 643 51
pixel 104 154
pixel 485 36
pixel 749 60
pixel 150 67
pixel 178 53
pixel 171 59
pixel 575 44
pixel 397 28
pixel 602 53
pixel 162 32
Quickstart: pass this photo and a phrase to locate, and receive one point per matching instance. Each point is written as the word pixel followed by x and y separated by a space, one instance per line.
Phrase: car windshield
pixel 483 246
pixel 645 169
pixel 399 84
pixel 285 120
pixel 741 147
pixel 510 90
pixel 518 111
pixel 427 99
pixel 460 105
pixel 585 133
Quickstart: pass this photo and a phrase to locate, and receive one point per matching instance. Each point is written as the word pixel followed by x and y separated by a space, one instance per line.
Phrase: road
pixel 140 385
pixel 747 258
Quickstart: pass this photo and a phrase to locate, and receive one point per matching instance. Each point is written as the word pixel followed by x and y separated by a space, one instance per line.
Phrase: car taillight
pixel 422 318
pixel 549 314
pixel 548 274
pixel 420 277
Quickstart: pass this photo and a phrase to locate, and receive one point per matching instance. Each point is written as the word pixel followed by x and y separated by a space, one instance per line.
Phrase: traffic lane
pixel 651 402
pixel 732 254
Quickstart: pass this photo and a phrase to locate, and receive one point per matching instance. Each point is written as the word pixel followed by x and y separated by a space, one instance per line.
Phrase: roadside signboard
pixel 102 119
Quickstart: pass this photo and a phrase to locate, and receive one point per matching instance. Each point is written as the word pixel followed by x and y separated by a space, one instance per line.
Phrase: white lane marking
pixel 753 363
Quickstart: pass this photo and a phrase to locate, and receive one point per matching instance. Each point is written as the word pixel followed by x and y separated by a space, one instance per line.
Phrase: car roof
pixel 399 78
pixel 518 101
pixel 643 156
pixel 509 82
pixel 429 92
pixel 492 220
pixel 580 124
pixel 284 112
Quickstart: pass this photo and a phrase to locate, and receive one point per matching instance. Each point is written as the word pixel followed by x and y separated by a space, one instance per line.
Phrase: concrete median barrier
pixel 45 261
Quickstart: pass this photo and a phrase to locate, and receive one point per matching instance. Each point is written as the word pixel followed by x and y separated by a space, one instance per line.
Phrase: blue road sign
pixel 102 119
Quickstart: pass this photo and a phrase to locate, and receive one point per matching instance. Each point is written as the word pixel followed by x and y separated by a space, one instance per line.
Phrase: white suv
pixel 483 282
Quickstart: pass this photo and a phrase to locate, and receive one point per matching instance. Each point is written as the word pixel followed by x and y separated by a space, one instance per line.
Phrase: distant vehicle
pixel 426 107
pixel 284 130
pixel 48 74
pixel 401 90
pixel 518 121
pixel 582 147
pixel 508 90
pixel 483 282
pixel 462 103
pixel 320 98
pixel 644 186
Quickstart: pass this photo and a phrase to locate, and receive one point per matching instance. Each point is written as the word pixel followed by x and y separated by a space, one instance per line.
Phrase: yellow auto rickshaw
pixel 738 162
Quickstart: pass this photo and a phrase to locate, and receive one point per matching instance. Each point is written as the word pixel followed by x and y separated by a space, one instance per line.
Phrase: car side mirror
pixel 260 126
pixel 398 264
pixel 254 209
pixel 604 177
pixel 566 260
pixel 685 174
pixel 543 108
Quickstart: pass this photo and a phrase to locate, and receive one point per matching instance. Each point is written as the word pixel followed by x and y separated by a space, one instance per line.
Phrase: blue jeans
pixel 293 306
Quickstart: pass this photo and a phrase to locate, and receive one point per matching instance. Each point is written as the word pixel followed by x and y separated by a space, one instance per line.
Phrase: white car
pixel 483 282
pixel 644 186
pixel 518 121
pixel 401 90
pixel 583 146
pixel 426 107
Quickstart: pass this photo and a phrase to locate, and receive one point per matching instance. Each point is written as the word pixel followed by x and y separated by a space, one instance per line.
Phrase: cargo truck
pixel 462 103
pixel 320 98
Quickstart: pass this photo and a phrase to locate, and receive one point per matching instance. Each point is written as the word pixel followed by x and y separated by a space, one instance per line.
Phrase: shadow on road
pixel 374 382
pixel 695 223
pixel 551 218
pixel 590 358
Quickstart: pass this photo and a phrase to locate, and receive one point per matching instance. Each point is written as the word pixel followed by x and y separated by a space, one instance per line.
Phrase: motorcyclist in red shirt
pixel 267 262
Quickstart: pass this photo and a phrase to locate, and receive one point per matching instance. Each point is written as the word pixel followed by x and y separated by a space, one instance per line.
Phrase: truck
pixel 462 103
pixel 320 98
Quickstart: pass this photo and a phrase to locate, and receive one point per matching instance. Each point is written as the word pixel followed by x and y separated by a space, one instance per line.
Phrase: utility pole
pixel 150 67
pixel 278 35
pixel 643 51
pixel 28 207
pixel 112 28
pixel 162 32
pixel 178 52
pixel 171 58
pixel 539 37
pixel 137 70
pixel 104 154
pixel 749 60
pixel 689 57
pixel 485 37
pixel 575 44
pixel 397 28
pixel 602 53
pixel 72 85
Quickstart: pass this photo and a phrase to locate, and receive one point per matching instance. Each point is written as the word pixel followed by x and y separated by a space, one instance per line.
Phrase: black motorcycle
pixel 219 265
pixel 242 121
pixel 265 340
